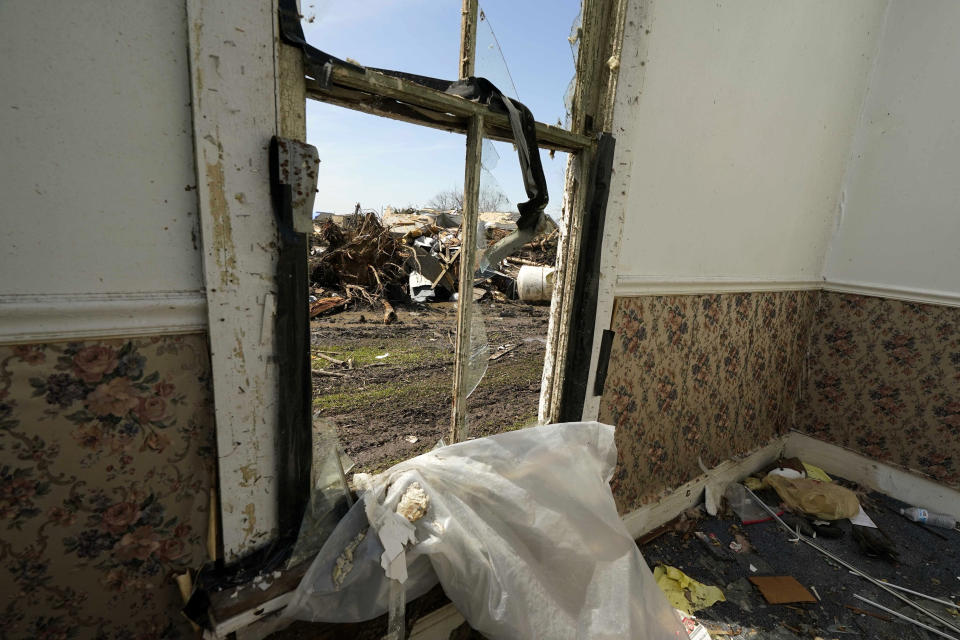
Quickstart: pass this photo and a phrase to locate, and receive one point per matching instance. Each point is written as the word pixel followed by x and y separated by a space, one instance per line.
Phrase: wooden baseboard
pixel 887 479
pixel 651 516
pixel 878 476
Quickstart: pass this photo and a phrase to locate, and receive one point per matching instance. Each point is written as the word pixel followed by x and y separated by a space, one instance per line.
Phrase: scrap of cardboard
pixel 782 589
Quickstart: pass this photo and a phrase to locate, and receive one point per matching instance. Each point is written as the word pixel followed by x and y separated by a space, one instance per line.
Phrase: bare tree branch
pixel 491 199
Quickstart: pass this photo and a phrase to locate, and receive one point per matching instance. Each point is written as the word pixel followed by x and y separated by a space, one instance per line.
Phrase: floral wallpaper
pixel 884 379
pixel 106 462
pixel 699 378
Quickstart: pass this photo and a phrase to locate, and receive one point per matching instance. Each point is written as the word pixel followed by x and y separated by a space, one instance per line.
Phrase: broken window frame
pixel 398 98
pixel 369 91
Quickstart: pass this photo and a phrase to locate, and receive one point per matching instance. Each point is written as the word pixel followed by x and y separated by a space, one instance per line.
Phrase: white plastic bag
pixel 521 530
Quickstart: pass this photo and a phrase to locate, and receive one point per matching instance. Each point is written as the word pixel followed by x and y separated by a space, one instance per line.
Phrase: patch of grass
pixel 520 372
pixel 385 464
pixel 351 400
pixel 398 395
pixel 401 352
pixel 522 423
pixel 493 426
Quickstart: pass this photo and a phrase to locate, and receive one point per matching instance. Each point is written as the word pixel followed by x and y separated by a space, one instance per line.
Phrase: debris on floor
pixel 875 574
pixel 683 592
pixel 695 630
pixel 822 500
pixel 781 589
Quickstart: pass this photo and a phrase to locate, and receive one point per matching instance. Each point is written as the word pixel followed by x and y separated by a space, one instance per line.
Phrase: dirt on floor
pixel 395 402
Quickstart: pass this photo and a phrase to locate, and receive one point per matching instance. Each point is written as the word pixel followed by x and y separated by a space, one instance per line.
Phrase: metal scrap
pixel 363 259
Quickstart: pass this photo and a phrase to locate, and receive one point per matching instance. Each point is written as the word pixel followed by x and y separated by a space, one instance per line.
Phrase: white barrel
pixel 535 284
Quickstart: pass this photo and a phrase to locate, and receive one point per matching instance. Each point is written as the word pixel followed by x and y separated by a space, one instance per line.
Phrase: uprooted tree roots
pixel 361 265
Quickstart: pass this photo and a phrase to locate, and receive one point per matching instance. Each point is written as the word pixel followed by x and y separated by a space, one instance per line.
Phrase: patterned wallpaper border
pixel 106 462
pixel 713 376
pixel 884 379
pixel 699 378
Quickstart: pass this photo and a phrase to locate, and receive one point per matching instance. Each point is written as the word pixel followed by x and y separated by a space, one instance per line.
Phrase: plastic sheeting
pixel 520 528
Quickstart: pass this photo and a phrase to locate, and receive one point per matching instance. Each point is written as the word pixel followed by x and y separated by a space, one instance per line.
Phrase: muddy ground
pixel 383 403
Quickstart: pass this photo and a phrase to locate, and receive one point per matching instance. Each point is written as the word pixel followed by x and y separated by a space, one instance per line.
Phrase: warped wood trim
pixel 379 106
pixel 468 37
pixel 650 516
pixel 409 93
pixel 591 111
pixel 468 261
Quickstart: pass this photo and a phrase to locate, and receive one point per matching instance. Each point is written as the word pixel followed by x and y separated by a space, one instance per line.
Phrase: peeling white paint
pixel 234 110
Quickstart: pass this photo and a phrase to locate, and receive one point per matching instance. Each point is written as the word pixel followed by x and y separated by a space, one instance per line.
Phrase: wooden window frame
pixel 591 113
pixel 401 99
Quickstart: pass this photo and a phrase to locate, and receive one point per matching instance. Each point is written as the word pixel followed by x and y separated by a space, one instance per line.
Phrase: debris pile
pixel 414 255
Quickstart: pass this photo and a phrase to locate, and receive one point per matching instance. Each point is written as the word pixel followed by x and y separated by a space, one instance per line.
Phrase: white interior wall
pixel 99 179
pixel 734 123
pixel 97 173
pixel 899 231
pixel 739 139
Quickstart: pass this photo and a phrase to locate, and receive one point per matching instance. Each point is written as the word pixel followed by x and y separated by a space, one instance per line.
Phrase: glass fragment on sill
pixel 329 494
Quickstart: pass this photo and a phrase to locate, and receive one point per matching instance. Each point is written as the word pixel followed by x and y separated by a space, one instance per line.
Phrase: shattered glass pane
pixel 574 40
pixel 501 183
pixel 479 351
pixel 528 50
pixel 329 494
pixel 489 62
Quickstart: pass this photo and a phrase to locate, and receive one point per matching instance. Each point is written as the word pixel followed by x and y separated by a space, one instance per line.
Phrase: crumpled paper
pixel 683 592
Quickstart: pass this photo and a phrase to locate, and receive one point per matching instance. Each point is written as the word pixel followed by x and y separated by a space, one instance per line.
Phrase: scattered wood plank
pixel 499 354
pixel 523 261
pixel 323 305
pixel 330 358
pixel 324 372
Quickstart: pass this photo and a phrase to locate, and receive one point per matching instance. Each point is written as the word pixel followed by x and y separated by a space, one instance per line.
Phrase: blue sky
pixel 381 162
